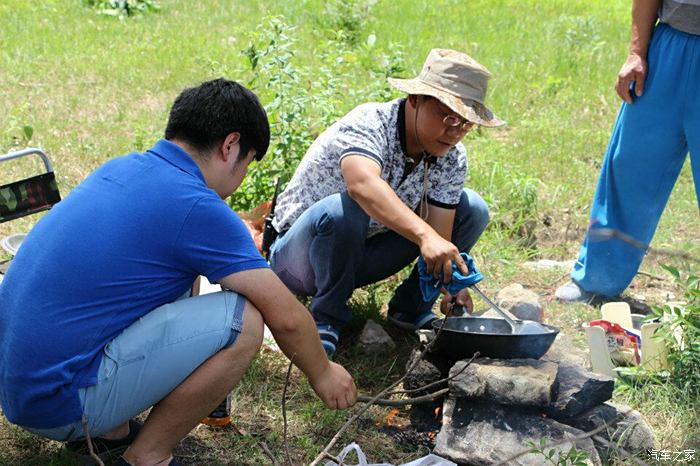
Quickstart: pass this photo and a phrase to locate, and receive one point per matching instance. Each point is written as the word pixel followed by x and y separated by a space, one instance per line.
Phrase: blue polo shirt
pixel 131 237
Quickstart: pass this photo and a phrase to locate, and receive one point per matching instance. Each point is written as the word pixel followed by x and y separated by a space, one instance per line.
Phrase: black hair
pixel 203 116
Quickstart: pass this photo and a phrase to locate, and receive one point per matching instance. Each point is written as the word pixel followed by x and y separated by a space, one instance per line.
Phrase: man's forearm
pixel 380 202
pixel 290 322
pixel 644 16
pixel 298 338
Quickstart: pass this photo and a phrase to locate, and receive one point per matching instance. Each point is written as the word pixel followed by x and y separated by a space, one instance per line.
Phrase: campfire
pixel 487 392
pixel 493 408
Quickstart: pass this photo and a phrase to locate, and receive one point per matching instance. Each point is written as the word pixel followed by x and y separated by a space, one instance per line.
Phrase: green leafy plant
pixel 573 457
pixel 123 8
pixel 277 80
pixel 15 130
pixel 680 330
pixel 301 101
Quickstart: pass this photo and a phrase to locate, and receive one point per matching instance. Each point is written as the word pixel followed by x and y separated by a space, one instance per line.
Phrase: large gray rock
pixel 430 369
pixel 374 339
pixel 563 350
pixel 627 428
pixel 579 391
pixel 521 382
pixel 481 434
pixel 521 302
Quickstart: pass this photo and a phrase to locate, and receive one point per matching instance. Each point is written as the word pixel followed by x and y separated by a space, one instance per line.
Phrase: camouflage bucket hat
pixel 456 80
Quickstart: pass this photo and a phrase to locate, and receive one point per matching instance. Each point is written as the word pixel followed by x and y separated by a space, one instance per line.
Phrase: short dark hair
pixel 203 116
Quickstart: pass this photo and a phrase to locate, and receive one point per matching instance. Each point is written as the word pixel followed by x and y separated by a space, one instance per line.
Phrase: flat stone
pixel 520 382
pixel 579 391
pixel 374 339
pixel 628 431
pixel 563 350
pixel 521 302
pixel 545 264
pixel 482 434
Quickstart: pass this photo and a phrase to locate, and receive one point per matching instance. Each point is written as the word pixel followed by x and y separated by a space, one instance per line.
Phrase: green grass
pixel 93 87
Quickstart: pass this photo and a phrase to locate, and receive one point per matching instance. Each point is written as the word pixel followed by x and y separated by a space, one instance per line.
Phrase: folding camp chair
pixel 27 196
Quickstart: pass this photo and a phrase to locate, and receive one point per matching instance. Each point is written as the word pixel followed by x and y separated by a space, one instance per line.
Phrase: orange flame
pixel 437 411
pixel 390 419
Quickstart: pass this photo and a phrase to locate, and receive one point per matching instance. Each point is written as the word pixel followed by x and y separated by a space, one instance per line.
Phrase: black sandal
pixel 106 449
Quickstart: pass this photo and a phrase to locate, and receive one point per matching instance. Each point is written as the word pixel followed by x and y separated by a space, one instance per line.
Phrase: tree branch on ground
pixel 284 409
pixel 93 455
pixel 268 452
pixel 369 403
pixel 430 397
pixel 605 234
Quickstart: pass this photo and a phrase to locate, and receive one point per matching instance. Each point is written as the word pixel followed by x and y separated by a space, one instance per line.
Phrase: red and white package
pixel 623 344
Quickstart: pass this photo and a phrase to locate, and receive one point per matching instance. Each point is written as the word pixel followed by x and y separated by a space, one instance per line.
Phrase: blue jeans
pixel 326 254
pixel 648 147
pixel 145 362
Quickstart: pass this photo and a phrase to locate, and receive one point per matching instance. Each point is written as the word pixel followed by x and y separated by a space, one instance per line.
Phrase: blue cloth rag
pixel 430 286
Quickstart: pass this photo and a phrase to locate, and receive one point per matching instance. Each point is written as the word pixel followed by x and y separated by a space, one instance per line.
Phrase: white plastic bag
pixel 429 460
pixel 361 458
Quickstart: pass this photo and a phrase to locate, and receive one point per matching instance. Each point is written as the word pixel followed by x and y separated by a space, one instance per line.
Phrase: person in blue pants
pixel 380 187
pixel 658 124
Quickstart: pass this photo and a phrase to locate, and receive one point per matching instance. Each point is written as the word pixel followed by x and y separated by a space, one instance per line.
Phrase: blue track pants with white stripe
pixel 648 147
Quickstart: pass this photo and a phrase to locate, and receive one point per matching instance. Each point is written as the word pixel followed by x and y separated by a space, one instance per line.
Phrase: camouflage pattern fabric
pixel 28 196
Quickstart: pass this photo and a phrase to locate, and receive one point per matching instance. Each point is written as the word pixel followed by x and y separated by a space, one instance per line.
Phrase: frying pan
pixel 461 337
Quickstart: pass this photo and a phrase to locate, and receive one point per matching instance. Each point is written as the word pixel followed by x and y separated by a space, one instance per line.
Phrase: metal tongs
pixel 517 326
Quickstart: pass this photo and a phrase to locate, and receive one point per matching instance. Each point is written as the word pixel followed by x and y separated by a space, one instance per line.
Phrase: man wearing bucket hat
pixel 380 187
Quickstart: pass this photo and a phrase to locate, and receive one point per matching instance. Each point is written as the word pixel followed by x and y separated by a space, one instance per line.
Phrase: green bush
pixel 680 329
pixel 348 17
pixel 123 8
pixel 303 100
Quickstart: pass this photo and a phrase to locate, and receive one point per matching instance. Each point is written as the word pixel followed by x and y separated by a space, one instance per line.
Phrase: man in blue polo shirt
pixel 96 322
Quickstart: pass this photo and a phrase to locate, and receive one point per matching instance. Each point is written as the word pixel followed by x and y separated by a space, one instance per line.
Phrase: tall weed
pixel 513 198
pixel 347 17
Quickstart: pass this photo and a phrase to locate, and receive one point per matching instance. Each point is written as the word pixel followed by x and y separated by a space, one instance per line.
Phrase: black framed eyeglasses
pixel 453 121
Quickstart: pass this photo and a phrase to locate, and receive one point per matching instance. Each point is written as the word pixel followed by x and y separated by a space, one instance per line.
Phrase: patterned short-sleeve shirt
pixel 376 131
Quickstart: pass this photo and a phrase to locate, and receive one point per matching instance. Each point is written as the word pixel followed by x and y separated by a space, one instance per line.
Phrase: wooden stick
pixel 369 403
pixel 94 456
pixel 284 409
pixel 268 452
pixel 650 275
pixel 603 234
pixel 408 401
